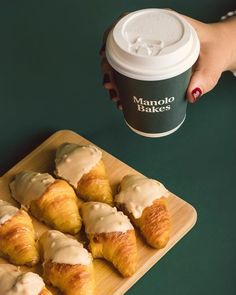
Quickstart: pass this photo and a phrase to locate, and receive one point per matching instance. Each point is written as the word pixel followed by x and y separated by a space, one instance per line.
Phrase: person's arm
pixel 230 29
pixel 217 54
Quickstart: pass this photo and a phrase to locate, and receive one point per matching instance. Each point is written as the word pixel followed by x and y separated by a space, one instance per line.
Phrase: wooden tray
pixel 108 280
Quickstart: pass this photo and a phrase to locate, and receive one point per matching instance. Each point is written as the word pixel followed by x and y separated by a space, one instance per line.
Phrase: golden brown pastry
pixel 111 236
pixel 83 168
pixel 67 265
pixel 14 282
pixel 144 201
pixel 17 236
pixel 49 200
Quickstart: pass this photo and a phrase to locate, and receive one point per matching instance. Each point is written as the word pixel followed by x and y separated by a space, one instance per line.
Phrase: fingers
pixel 210 63
pixel 108 76
pixel 102 50
pixel 206 73
pixel 108 73
pixel 109 82
pixel 204 78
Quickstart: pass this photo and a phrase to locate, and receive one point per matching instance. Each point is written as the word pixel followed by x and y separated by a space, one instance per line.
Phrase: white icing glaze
pixel 14 282
pixel 28 186
pixel 60 248
pixel 102 218
pixel 138 192
pixel 73 161
pixel 7 211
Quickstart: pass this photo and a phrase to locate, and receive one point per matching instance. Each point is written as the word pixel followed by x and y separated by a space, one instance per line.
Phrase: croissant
pixel 67 265
pixel 12 281
pixel 49 200
pixel 144 201
pixel 83 168
pixel 111 236
pixel 17 236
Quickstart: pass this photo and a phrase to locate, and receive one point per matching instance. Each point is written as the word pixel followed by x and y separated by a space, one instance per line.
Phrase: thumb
pixel 204 78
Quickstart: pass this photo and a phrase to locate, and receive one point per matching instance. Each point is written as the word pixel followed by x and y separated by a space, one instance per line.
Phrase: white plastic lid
pixel 152 44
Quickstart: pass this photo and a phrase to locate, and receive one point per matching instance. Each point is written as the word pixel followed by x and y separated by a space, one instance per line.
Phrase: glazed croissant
pixel 83 168
pixel 144 201
pixel 111 236
pixel 17 236
pixel 67 265
pixel 12 281
pixel 50 200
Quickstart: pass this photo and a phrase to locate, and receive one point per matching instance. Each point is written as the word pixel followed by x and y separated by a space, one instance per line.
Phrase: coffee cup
pixel 152 52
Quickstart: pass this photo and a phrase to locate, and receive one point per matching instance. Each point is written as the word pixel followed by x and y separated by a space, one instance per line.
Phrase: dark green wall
pixel 50 79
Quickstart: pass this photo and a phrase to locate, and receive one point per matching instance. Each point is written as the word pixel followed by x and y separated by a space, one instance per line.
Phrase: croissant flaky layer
pixel 95 186
pixel 155 224
pixel 45 292
pixel 70 279
pixel 58 207
pixel 118 248
pixel 17 240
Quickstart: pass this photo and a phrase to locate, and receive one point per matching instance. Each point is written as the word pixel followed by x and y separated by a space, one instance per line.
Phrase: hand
pixel 108 76
pixel 108 79
pixel 217 54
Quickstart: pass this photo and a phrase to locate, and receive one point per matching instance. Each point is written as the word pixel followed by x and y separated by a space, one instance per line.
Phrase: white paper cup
pixel 152 52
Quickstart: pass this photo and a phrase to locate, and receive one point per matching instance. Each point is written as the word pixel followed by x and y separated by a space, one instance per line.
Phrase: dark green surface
pixel 50 80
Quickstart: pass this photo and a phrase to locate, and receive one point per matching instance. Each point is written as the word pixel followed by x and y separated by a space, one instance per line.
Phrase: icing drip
pixel 63 249
pixel 73 161
pixel 7 211
pixel 102 218
pixel 13 282
pixel 28 186
pixel 138 192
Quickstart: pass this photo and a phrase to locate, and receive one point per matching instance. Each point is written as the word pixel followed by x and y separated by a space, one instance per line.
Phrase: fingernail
pixel 102 50
pixel 119 105
pixel 106 79
pixel 112 93
pixel 196 93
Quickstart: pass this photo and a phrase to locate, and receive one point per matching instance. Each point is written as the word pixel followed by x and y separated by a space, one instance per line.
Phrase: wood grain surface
pixel 108 280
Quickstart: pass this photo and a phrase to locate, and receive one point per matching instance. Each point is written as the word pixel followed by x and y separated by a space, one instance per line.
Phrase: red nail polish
pixel 196 93
pixel 102 50
pixel 119 105
pixel 106 79
pixel 112 93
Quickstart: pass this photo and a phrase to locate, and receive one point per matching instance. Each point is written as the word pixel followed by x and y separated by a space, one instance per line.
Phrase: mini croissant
pixel 83 168
pixel 67 265
pixel 111 236
pixel 50 200
pixel 144 201
pixel 17 236
pixel 12 281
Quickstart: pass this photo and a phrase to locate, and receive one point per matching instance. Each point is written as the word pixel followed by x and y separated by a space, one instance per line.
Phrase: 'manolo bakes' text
pixel 153 106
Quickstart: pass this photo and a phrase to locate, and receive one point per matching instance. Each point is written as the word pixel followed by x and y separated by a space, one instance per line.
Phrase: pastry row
pixel 81 175
pixel 80 171
pixel 67 265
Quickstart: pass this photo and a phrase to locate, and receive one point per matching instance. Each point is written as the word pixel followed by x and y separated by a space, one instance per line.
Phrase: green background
pixel 50 79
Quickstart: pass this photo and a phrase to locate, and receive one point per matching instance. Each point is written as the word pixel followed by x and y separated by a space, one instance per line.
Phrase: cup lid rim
pixel 163 66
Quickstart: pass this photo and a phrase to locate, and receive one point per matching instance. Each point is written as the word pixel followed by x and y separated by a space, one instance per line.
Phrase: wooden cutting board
pixel 108 280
